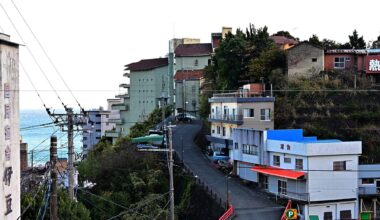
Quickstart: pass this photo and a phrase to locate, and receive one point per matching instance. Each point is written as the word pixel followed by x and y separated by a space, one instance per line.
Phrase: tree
pixel 376 43
pixel 286 34
pixel 314 40
pixel 356 42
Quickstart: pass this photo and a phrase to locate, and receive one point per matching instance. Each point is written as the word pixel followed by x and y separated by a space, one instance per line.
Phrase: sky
pixel 90 41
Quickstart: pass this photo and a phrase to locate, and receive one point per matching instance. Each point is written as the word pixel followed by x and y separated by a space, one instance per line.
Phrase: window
pixel 97 138
pixel 249 149
pixel 230 131
pixel 348 59
pixel 339 63
pixel 213 131
pixel 85 146
pixel 98 130
pixel 282 187
pixel 97 123
pixel 368 181
pixel 84 138
pixel 276 160
pixel 299 164
pixel 265 114
pixel 287 160
pixel 196 63
pixel 327 216
pixel 224 131
pixel 218 130
pixel 314 60
pixel 98 115
pixel 236 145
pixel 249 113
pixel 345 214
pixel 339 165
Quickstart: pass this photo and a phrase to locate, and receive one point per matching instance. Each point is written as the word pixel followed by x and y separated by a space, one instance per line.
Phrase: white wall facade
pixel 9 130
pixel 335 208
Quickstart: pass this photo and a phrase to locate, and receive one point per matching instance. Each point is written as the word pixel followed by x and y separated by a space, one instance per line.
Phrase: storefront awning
pixel 275 171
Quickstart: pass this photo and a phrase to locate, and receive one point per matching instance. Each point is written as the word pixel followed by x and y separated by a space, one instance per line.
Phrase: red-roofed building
pixel 148 80
pixel 283 42
pixel 188 62
pixel 190 82
pixel 147 64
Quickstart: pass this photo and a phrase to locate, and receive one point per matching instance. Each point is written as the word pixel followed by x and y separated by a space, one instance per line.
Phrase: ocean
pixel 38 138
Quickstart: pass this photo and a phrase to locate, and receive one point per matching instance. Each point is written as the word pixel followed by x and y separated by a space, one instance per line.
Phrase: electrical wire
pixel 46 54
pixel 32 55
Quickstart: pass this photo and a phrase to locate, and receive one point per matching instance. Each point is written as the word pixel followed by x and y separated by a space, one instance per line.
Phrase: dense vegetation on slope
pixel 326 105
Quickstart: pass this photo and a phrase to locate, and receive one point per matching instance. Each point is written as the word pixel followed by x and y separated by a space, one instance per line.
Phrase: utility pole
pixel 171 190
pixel 69 119
pixel 32 159
pixel 70 131
pixel 53 175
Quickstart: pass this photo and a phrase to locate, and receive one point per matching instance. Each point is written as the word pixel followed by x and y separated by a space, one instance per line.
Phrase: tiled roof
pixel 147 64
pixel 347 51
pixel 185 50
pixel 188 75
pixel 281 40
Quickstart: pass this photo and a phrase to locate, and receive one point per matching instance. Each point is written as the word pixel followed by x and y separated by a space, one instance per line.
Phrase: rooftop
pixel 184 50
pixel 281 40
pixel 188 75
pixel 295 135
pixel 147 64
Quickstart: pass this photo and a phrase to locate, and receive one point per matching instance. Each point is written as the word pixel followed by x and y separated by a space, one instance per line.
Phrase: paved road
pixel 249 203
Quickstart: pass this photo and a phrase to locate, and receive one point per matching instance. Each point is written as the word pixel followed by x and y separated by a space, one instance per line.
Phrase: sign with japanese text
pixel 372 63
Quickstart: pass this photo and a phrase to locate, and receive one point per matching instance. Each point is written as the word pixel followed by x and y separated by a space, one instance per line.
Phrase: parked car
pixel 184 117
pixel 216 156
pixel 222 165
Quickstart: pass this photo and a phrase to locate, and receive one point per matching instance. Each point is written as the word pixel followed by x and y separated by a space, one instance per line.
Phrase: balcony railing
pixel 234 118
pixel 369 190
pixel 244 94
pixel 294 195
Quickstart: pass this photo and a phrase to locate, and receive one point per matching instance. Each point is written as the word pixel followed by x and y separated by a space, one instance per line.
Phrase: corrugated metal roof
pixel 184 50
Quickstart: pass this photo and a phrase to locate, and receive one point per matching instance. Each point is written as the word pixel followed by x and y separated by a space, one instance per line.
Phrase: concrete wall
pixel 256 122
pixel 244 172
pixel 9 130
pixel 305 60
pixel 191 96
pixel 335 208
pixel 296 189
pixel 189 63
pixel 321 175
pixel 146 88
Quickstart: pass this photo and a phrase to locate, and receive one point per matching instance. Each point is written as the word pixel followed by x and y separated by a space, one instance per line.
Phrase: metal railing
pixel 244 94
pixel 226 117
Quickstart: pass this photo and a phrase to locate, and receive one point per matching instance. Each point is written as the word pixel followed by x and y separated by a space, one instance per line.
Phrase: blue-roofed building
pixel 289 165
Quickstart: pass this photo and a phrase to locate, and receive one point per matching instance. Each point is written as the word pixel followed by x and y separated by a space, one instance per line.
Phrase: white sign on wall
pixel 374 65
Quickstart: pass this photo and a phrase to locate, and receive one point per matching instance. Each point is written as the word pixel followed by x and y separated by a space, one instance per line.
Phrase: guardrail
pixel 229 214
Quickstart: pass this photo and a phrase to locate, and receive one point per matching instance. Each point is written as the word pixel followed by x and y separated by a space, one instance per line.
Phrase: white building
pixel 246 108
pixel 95 129
pixel 319 175
pixel 9 125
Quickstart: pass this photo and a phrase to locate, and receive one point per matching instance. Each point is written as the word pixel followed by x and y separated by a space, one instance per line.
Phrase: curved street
pixel 248 203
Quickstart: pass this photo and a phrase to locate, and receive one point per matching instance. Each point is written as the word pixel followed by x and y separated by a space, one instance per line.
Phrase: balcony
pixel 125 85
pixel 117 121
pixel 128 74
pixel 294 196
pixel 112 133
pixel 123 95
pixel 120 107
pixel 369 190
pixel 232 119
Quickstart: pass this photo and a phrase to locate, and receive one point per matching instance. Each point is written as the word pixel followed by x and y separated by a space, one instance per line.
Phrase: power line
pixel 32 55
pixel 46 54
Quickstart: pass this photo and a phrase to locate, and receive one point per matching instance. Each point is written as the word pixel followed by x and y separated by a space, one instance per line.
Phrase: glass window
pixel 339 165
pixel 265 114
pixel 224 131
pixel 327 216
pixel 299 164
pixel 339 62
pixel 314 60
pixel 287 160
pixel 250 149
pixel 345 214
pixel 282 187
pixel 236 145
pixel 276 160
pixel 218 130
pixel 368 181
pixel 249 112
